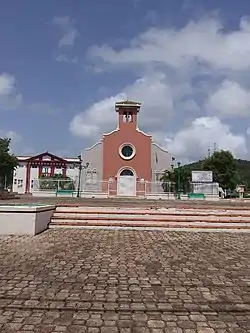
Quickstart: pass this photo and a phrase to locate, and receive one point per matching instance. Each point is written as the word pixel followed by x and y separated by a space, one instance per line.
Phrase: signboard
pixel 202 176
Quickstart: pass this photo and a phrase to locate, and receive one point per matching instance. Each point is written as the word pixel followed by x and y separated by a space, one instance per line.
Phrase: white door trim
pixel 119 178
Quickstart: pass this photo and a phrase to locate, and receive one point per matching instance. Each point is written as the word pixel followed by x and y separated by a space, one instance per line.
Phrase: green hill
pixel 243 167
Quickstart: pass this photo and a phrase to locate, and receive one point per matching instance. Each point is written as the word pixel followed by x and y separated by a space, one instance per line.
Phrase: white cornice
pixel 96 144
pixel 164 150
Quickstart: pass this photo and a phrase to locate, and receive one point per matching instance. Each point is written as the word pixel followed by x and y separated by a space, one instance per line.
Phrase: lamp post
pixel 178 178
pixel 80 174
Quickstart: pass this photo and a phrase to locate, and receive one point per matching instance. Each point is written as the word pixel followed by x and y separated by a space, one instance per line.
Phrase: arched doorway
pixel 126 185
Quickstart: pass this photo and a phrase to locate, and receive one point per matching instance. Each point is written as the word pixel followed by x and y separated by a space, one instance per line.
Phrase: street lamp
pixel 178 178
pixel 80 174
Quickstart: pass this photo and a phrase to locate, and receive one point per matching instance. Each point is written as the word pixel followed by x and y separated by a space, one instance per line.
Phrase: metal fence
pixel 110 188
pixel 160 188
pixel 96 187
pixel 205 188
pixel 171 188
pixel 53 185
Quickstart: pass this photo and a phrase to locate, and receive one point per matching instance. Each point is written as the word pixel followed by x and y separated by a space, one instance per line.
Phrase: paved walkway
pixel 103 281
pixel 128 202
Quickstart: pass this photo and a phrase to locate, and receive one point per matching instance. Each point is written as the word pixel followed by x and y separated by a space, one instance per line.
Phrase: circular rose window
pixel 127 151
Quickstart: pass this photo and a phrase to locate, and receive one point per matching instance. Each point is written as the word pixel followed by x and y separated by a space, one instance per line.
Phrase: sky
pixel 64 64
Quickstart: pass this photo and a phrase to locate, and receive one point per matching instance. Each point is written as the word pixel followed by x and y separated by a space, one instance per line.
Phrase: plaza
pixel 111 281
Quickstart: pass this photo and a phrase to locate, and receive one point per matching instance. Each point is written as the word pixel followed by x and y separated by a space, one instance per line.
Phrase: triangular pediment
pixel 46 156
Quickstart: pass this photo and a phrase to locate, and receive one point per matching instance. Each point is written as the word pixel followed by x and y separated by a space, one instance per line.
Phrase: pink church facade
pixel 125 161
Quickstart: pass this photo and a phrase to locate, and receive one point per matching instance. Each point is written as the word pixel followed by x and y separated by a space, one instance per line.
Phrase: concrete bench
pixel 196 196
pixel 65 193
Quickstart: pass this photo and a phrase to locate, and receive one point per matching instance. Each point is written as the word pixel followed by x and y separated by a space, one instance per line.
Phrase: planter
pixel 24 219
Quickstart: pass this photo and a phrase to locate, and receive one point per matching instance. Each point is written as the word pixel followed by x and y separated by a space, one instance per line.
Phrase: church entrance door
pixel 126 183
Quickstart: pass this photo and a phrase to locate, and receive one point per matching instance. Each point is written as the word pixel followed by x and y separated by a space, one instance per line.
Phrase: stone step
pixel 144 217
pixel 159 212
pixel 145 224
pixel 147 204
pixel 77 216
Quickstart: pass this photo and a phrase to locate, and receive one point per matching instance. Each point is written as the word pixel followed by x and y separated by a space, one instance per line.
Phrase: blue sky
pixel 64 63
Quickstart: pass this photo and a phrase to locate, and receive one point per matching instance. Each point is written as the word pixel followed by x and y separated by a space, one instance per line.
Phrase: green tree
pixel 8 163
pixel 224 168
pixel 169 179
pixel 56 182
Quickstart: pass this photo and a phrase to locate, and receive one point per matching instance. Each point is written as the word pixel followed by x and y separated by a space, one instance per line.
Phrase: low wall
pixel 167 196
pixel 24 220
pixel 153 196
pixel 44 194
pixel 53 194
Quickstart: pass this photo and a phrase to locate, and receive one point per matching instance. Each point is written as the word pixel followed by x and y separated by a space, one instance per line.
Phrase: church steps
pixel 143 224
pixel 150 213
pixel 152 218
pixel 142 217
pixel 157 204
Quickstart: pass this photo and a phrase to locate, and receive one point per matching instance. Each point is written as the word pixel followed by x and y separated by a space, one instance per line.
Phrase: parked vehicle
pixel 231 194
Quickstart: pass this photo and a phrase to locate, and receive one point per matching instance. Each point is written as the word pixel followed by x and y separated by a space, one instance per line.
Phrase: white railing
pixel 95 187
pixel 156 190
pixel 53 185
pixel 110 188
pixel 206 188
pixel 69 187
pixel 159 188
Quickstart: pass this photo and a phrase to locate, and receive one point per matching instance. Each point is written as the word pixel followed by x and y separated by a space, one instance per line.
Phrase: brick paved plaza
pixel 125 281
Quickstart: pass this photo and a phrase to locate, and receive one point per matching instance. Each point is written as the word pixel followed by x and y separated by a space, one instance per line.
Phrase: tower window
pixel 127 117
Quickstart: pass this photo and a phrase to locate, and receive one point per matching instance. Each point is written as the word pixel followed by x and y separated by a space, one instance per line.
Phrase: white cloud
pixel 204 41
pixel 161 102
pixel 14 136
pixel 157 97
pixel 68 38
pixel 195 74
pixel 230 100
pixel 65 58
pixel 194 141
pixel 7 84
pixel 9 97
pixel 62 58
pixel 42 107
pixel 68 30
pixel 99 117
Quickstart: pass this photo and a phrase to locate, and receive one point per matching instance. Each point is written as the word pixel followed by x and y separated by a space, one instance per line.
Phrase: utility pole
pixel 178 181
pixel 80 175
pixel 178 178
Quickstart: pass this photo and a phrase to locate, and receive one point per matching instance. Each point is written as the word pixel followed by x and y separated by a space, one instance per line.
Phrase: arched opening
pixel 126 182
pixel 127 172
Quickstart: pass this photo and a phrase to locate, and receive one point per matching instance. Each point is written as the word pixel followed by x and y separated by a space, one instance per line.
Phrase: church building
pixel 126 161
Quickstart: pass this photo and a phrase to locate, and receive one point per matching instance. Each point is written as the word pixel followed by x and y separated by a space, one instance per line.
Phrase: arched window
pixel 127 172
pixel 158 175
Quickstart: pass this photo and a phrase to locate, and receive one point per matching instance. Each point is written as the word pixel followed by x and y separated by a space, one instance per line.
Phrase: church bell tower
pixel 127 112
